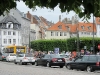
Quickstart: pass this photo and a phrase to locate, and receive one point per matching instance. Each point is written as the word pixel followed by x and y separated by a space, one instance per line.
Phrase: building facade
pixel 9 31
pixel 25 25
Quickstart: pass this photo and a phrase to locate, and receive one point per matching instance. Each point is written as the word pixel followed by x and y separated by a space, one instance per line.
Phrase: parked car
pixel 51 60
pixel 3 56
pixel 89 63
pixel 11 57
pixel 24 59
pixel 66 57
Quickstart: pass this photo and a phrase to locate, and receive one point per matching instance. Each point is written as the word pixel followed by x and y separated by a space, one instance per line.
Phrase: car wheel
pixel 61 66
pixel 89 69
pixel 15 62
pixel 36 64
pixel 68 67
pixel 48 64
pixel 33 63
pixel 25 63
pixel 21 63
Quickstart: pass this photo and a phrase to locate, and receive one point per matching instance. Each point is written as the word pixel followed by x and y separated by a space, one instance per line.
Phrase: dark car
pixel 89 63
pixel 3 56
pixel 51 60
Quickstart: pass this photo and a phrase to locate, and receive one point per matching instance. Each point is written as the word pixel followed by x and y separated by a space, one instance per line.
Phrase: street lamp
pixel 29 42
pixel 93 29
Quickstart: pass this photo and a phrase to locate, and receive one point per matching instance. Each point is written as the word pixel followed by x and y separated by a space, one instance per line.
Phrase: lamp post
pixel 93 29
pixel 29 42
pixel 77 32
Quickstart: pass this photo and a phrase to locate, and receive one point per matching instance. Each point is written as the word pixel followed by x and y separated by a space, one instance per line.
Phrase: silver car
pixel 23 59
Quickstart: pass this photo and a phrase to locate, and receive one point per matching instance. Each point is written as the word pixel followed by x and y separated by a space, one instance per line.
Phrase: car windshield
pixel 98 58
pixel 5 54
pixel 28 55
pixel 55 56
pixel 64 56
pixel 12 54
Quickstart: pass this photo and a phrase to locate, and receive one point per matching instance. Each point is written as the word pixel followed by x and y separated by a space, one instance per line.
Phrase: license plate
pixel 59 60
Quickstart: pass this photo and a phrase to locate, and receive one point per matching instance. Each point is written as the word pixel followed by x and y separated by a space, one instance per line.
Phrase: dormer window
pixel 89 27
pixel 99 20
pixel 9 25
pixel 82 27
pixel 60 27
pixel 68 29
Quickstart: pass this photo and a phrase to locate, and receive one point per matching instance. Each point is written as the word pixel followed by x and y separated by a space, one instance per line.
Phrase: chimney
pixel 31 18
pixel 59 17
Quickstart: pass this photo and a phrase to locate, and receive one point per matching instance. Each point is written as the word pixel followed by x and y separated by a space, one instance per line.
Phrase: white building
pixel 97 22
pixel 9 31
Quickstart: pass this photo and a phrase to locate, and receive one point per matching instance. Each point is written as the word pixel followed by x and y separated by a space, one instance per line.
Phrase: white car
pixel 24 59
pixel 11 57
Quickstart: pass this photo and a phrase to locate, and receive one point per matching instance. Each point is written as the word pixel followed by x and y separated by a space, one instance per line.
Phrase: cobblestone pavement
pixel 7 68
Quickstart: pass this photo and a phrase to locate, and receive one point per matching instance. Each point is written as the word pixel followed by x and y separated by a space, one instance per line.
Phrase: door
pixel 40 60
pixel 75 64
pixel 45 59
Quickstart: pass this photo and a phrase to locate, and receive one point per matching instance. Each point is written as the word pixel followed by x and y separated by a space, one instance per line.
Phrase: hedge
pixel 64 44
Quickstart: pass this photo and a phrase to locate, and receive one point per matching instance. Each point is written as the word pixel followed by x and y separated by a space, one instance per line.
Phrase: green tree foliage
pixel 84 8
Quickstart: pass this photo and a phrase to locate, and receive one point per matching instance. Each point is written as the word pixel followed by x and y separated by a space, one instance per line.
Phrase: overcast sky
pixel 50 15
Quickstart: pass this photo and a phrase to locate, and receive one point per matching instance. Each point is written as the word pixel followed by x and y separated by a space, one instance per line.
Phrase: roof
pixel 55 27
pixel 9 18
pixel 88 27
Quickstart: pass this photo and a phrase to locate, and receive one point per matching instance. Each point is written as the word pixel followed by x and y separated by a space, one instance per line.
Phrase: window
pixel 61 33
pixel 89 27
pixel 85 58
pixel 5 33
pixel 14 33
pixel 47 56
pixel 78 60
pixel 82 27
pixel 65 34
pixel 9 26
pixel 56 33
pixel 5 41
pixel 9 32
pixel 14 41
pixel 92 58
pixel 68 29
pixel 52 34
pixel 9 41
pixel 81 32
pixel 60 27
pixel 99 20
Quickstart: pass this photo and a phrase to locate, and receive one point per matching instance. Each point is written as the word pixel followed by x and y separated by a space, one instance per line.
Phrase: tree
pixel 84 8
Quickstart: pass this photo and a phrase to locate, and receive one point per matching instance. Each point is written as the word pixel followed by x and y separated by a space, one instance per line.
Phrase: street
pixel 12 69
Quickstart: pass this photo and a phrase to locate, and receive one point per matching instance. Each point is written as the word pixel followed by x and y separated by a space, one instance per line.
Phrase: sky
pixel 50 15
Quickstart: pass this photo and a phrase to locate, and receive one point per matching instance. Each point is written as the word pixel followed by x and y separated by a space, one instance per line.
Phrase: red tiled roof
pixel 56 28
pixel 88 27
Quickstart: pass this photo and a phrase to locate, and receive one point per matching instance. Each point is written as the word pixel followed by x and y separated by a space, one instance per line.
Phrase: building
pixel 9 31
pixel 67 29
pixel 24 29
pixel 39 25
pixel 97 22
